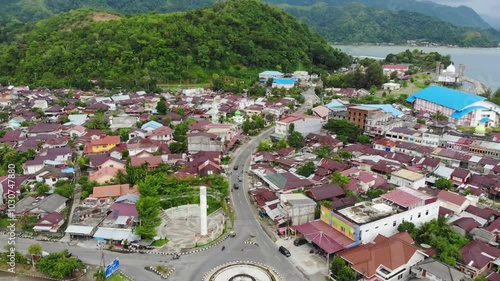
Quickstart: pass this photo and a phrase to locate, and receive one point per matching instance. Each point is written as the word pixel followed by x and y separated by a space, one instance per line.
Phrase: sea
pixel 480 63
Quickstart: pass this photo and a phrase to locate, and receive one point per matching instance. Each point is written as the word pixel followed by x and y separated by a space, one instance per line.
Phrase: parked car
pixel 284 251
pixel 299 241
pixel 235 186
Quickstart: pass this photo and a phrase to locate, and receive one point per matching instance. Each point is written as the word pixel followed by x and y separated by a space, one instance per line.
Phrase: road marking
pixel 266 244
pixel 278 258
pixel 241 202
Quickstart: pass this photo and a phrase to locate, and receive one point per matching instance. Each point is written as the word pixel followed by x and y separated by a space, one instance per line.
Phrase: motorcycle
pixel 176 257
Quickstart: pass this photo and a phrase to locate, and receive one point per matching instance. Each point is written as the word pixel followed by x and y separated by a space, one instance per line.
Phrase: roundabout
pixel 242 271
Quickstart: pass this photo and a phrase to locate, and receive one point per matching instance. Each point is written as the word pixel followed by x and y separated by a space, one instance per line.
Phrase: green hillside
pixel 237 38
pixel 373 21
pixel 356 23
pixel 460 16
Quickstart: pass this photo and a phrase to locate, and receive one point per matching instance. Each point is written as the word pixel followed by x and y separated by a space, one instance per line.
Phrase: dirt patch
pixel 104 17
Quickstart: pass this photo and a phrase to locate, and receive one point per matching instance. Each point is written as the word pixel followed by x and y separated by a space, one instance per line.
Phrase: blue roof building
pixel 270 74
pixel 151 125
pixel 462 108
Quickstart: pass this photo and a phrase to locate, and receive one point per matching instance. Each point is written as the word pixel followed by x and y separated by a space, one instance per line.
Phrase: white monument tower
pixel 215 111
pixel 203 211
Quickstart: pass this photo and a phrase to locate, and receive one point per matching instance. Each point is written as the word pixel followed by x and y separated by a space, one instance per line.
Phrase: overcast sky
pixel 488 7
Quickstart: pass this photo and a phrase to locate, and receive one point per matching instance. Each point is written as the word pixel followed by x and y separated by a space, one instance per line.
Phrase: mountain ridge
pixel 29 10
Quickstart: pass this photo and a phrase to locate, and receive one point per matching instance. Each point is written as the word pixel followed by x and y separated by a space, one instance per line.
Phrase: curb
pixel 241 262
pixel 163 276
pixel 173 253
pixel 124 274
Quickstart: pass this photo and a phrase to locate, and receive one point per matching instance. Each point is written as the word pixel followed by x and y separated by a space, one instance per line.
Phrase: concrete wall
pixel 389 226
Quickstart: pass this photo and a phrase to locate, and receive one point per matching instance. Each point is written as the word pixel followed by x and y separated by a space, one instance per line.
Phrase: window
pixel 394 223
pixel 342 229
pixel 419 214
pixel 426 212
pixel 411 217
pixel 400 276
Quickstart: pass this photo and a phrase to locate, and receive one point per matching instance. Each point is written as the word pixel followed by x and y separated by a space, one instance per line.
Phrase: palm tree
pixel 439 116
pixel 120 177
pixel 99 275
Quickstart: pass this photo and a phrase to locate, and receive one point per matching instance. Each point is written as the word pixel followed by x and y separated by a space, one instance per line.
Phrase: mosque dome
pixel 451 69
pixel 237 113
pixel 480 129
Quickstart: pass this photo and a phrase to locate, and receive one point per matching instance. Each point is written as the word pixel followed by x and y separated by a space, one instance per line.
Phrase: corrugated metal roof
pixel 453 99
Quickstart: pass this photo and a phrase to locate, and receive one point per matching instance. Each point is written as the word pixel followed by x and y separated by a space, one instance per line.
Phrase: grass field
pixel 159 243
pixel 177 87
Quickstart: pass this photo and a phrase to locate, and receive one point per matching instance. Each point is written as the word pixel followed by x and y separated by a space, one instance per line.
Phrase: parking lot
pixel 308 263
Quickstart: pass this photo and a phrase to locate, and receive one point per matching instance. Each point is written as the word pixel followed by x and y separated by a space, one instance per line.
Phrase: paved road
pixel 193 267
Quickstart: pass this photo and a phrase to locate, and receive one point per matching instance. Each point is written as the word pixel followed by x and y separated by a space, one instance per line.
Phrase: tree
pixel 394 75
pixel 364 139
pixel 346 155
pixel 340 179
pixel 281 144
pixel 439 116
pixel 148 208
pixel 373 193
pixel 161 106
pixel 375 75
pixel 295 139
pixel 98 122
pixel 444 184
pixel 307 169
pixel 265 145
pixel 59 264
pixel 337 264
pixel 65 188
pixel 407 226
pixel 177 147
pixel 343 128
pixel 35 249
pixel 41 188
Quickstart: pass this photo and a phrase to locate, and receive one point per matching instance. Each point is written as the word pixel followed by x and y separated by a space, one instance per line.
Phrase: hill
pixel 460 16
pixel 237 38
pixel 357 23
pixel 33 10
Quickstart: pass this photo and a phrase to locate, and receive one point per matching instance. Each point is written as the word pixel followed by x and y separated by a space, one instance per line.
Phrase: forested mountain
pixel 338 20
pixel 460 16
pixel 236 38
pixel 32 10
pixel 357 23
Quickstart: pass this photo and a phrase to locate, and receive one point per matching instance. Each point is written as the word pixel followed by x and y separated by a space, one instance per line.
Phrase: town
pixel 353 191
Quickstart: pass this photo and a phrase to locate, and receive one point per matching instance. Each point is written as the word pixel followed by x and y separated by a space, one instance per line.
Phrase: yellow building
pixel 103 145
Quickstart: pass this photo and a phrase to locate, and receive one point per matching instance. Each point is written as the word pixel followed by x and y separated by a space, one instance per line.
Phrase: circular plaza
pixel 242 271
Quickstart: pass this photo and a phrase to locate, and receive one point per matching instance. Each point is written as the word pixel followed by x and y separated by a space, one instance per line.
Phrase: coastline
pixel 408 46
pixel 480 86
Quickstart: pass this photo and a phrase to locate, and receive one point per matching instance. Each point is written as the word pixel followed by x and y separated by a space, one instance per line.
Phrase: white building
pixel 299 208
pixel 391 86
pixel 461 108
pixel 269 74
pixel 407 178
pixel 383 215
pixel 303 124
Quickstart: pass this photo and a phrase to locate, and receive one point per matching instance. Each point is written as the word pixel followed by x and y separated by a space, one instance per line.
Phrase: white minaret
pixel 215 111
pixel 203 211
